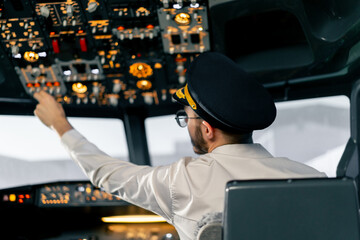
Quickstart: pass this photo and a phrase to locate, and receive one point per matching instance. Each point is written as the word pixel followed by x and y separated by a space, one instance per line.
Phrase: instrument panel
pixel 103 54
pixel 74 210
pixel 76 194
pixel 72 195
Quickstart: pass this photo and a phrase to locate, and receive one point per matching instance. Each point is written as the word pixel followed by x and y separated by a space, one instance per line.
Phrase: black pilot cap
pixel 224 95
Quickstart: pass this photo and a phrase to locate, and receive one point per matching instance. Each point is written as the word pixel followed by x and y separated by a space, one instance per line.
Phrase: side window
pixel 167 141
pixel 311 131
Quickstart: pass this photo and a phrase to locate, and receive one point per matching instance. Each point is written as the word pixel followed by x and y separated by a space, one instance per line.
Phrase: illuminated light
pixel 138 55
pixel 194 5
pixel 17 56
pixel 95 71
pixel 177 6
pixel 29 85
pixel 12 197
pixel 42 54
pixel 21 196
pixel 179 58
pixel 157 65
pixel 182 19
pixel 141 70
pixel 201 29
pixel 49 84
pixel 81 31
pixel 121 28
pixel 56 84
pixel 37 85
pixel 88 190
pixel 5 198
pixel 21 201
pixel 27 196
pixel 52 33
pixel 133 219
pixel 31 56
pixel 150 26
pixel 67 72
pixel 79 88
pixel 144 84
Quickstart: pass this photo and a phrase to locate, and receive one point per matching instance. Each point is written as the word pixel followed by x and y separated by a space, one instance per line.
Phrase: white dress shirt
pixel 188 189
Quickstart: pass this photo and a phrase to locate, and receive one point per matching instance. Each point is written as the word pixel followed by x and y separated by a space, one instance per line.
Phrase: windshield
pixel 312 131
pixel 31 153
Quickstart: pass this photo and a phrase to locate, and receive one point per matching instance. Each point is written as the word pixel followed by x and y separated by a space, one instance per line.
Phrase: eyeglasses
pixel 182 118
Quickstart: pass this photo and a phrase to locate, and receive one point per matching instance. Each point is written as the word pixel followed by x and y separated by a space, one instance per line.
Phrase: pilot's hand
pixel 51 113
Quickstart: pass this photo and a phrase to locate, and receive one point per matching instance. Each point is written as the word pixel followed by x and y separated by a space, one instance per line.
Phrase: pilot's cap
pixel 224 95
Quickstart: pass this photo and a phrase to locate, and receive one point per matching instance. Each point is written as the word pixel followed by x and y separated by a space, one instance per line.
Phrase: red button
pixel 83 45
pixel 55 44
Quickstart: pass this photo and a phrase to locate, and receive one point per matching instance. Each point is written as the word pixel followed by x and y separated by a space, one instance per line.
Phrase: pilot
pixel 223 105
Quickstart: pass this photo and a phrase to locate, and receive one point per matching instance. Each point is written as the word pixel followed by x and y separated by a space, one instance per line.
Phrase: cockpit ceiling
pixel 104 58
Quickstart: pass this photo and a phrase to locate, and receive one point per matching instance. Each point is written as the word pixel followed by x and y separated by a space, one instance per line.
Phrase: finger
pixel 40 96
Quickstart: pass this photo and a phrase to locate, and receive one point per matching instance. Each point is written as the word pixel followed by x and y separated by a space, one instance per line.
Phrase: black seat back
pixel 302 209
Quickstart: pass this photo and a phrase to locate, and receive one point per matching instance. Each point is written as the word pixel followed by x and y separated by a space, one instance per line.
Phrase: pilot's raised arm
pixel 223 106
pixel 142 185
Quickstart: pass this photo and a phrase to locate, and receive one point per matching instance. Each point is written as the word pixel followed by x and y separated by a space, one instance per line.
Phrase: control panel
pixel 99 53
pixel 76 194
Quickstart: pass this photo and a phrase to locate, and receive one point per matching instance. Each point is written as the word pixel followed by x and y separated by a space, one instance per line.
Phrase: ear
pixel 207 130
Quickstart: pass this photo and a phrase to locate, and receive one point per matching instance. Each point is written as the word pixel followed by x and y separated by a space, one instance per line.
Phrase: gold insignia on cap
pixel 180 94
pixel 189 98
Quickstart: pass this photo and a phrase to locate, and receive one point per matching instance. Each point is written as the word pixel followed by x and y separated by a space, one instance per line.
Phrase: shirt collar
pixel 244 150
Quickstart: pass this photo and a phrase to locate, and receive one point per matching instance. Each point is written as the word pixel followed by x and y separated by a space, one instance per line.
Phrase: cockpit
pixel 114 66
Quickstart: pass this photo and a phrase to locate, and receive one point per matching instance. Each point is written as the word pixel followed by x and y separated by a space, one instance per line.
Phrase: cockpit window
pixel 31 153
pixel 312 131
pixel 167 142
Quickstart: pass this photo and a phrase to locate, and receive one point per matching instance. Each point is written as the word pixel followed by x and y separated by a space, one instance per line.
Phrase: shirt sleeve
pixel 147 187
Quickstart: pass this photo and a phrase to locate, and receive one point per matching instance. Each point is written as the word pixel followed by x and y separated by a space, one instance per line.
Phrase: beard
pixel 198 142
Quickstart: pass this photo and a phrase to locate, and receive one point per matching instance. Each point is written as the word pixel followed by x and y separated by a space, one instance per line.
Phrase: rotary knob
pixel 92 6
pixel 45 11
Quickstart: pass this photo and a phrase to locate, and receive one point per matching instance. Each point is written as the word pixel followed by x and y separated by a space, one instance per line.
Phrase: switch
pixel 55 45
pixel 45 11
pixel 69 10
pixel 92 6
pixel 83 45
pixel 14 50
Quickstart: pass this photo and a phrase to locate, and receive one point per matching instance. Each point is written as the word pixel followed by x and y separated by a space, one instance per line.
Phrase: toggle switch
pixel 55 45
pixel 83 45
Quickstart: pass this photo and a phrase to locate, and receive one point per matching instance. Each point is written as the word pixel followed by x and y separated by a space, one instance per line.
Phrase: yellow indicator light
pixel 144 84
pixel 79 88
pixel 133 219
pixel 182 19
pixel 141 70
pixel 158 65
pixel 31 56
pixel 12 197
pixel 88 190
